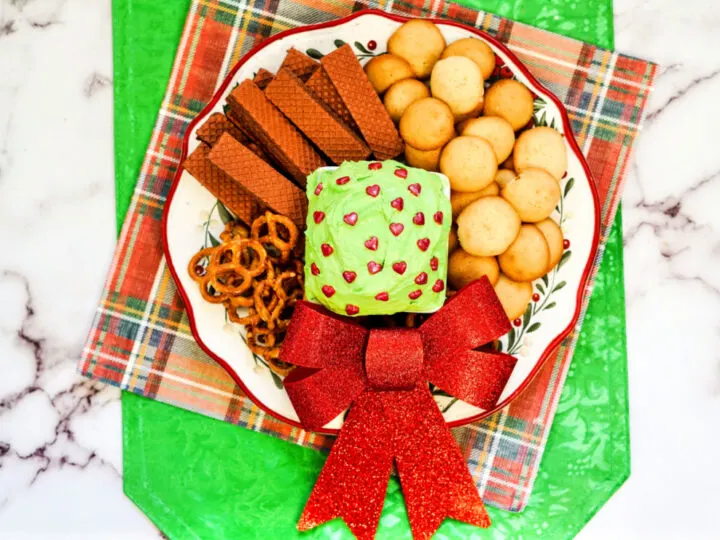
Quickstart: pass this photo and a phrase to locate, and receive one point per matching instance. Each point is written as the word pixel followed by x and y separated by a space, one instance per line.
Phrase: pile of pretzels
pixel 257 274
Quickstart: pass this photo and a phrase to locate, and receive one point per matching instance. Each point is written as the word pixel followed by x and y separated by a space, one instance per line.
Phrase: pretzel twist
pixel 265 230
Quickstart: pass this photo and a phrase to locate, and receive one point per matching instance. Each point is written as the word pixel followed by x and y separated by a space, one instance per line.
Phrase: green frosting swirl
pixel 354 206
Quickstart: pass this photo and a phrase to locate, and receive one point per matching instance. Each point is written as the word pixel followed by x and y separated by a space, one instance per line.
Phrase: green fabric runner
pixel 198 477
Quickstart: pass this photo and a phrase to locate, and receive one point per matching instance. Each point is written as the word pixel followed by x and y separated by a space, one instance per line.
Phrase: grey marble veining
pixel 672 258
pixel 60 446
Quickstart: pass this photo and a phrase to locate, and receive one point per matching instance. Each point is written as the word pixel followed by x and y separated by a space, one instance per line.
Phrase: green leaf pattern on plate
pixel 224 213
pixel 364 52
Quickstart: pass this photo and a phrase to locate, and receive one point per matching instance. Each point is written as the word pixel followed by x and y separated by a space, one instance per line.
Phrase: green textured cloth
pixel 198 477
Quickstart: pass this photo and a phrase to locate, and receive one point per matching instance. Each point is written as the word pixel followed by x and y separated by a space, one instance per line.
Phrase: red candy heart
pixel 396 228
pixel 423 244
pixel 318 217
pixel 383 296
pixel 415 189
pixel 351 218
pixel 434 263
pixel 398 204
pixel 352 309
pixel 421 278
pixel 342 180
pixel 438 217
pixel 328 290
pixel 401 173
pixel 419 219
pixel 371 243
pixel 400 267
pixel 318 189
pixel 326 249
pixel 349 276
pixel 439 286
pixel 374 267
pixel 376 166
pixel 314 269
pixel 415 295
pixel 373 190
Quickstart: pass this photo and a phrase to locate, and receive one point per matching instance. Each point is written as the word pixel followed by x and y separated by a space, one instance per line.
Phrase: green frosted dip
pixel 376 239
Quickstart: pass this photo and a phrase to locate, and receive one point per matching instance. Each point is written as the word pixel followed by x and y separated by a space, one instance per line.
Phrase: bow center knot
pixel 394 359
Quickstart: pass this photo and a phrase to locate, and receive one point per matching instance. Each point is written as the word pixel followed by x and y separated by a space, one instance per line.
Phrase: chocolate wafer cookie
pixel 267 125
pixel 359 96
pixel 260 179
pixel 231 193
pixel 216 125
pixel 251 143
pixel 300 64
pixel 262 78
pixel 320 85
pixel 315 119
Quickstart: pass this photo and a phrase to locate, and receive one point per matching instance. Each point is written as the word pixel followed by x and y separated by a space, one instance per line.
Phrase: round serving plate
pixel 194 218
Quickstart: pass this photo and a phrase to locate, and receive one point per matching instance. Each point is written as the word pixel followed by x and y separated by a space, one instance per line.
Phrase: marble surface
pixel 60 446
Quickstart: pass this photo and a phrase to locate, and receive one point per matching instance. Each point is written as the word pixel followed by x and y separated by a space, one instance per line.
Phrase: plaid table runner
pixel 141 339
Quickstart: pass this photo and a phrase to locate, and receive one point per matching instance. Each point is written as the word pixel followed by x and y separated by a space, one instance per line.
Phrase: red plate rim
pixel 398 18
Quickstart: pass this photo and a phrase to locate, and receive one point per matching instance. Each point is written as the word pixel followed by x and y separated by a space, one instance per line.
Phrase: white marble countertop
pixel 60 435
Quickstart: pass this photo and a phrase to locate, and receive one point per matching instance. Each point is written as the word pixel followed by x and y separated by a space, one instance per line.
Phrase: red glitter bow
pixel 383 374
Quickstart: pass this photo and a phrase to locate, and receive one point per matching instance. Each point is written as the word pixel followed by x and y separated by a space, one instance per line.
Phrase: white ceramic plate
pixel 192 216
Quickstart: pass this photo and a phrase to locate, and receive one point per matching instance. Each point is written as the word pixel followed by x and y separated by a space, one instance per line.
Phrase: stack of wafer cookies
pixel 277 128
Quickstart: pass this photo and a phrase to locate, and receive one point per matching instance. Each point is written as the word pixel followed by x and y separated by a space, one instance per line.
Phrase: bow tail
pixel 353 482
pixel 407 427
pixel 435 479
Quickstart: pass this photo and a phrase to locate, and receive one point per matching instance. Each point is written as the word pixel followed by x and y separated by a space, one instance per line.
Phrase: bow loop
pixel 320 395
pixel 317 338
pixel 476 377
pixel 473 317
pixel 329 352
